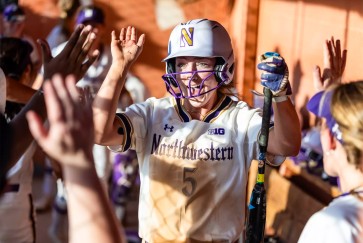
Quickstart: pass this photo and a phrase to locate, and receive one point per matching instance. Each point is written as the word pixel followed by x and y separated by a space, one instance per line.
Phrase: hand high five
pixel 126 49
pixel 75 58
pixel 69 138
pixel 334 65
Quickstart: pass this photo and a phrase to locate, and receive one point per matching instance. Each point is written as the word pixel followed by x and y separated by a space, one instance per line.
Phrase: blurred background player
pixel 13 26
pixel 61 32
pixel 16 203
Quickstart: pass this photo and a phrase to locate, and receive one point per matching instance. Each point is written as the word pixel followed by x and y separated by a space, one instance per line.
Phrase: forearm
pixel 285 138
pixel 90 216
pixel 18 133
pixel 105 103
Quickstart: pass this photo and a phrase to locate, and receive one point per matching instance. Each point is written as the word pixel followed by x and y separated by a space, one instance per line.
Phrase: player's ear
pixel 327 138
pixel 333 142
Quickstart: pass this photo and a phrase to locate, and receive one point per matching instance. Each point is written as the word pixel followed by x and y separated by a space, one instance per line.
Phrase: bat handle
pixel 266 116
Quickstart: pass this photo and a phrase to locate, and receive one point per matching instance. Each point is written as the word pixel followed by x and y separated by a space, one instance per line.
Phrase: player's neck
pixel 199 113
pixel 351 178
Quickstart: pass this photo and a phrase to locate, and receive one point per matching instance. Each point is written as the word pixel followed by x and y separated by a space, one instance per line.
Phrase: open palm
pixel 70 134
pixel 126 49
pixel 334 65
pixel 74 59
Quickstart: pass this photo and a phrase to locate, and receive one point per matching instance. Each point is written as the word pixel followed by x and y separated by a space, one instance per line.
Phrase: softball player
pixel 338 105
pixel 194 148
pixel 16 206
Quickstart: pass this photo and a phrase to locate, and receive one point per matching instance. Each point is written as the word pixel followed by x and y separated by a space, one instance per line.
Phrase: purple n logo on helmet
pixel 186 36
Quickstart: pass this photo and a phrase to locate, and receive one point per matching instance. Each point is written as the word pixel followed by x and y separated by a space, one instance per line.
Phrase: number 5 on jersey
pixel 189 182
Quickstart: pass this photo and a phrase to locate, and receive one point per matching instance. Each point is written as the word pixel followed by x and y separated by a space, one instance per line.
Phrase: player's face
pixel 195 78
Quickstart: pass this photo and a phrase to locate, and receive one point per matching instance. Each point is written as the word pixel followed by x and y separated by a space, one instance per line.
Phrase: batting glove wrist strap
pixel 277 99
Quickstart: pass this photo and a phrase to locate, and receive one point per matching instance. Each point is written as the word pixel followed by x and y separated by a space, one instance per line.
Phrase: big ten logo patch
pixel 186 37
pixel 216 131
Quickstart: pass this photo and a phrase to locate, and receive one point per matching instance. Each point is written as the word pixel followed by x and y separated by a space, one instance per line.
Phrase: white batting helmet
pixel 202 38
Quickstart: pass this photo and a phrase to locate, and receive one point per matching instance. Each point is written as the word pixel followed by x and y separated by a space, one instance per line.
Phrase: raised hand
pixel 128 47
pixel 334 65
pixel 69 138
pixel 275 74
pixel 74 59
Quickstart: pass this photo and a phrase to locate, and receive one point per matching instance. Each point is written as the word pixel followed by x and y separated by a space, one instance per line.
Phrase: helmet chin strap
pixel 174 88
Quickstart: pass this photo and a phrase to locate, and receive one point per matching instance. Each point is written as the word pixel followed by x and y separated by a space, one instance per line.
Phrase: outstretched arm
pixel 125 49
pixel 74 59
pixel 69 140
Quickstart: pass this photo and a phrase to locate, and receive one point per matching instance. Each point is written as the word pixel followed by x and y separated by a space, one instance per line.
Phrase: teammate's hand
pixel 74 59
pixel 275 74
pixel 334 65
pixel 127 47
pixel 70 136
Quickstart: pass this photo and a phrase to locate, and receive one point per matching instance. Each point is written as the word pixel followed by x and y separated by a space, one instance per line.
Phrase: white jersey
pixel 16 210
pixel 337 223
pixel 193 173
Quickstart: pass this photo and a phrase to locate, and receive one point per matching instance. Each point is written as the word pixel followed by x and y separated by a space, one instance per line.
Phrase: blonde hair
pixel 347 109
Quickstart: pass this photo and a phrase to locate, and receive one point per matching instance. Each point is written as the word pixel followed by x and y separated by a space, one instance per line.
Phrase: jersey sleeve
pixel 133 123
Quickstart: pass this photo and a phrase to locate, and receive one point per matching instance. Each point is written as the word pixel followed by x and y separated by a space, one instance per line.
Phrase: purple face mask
pixel 174 88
